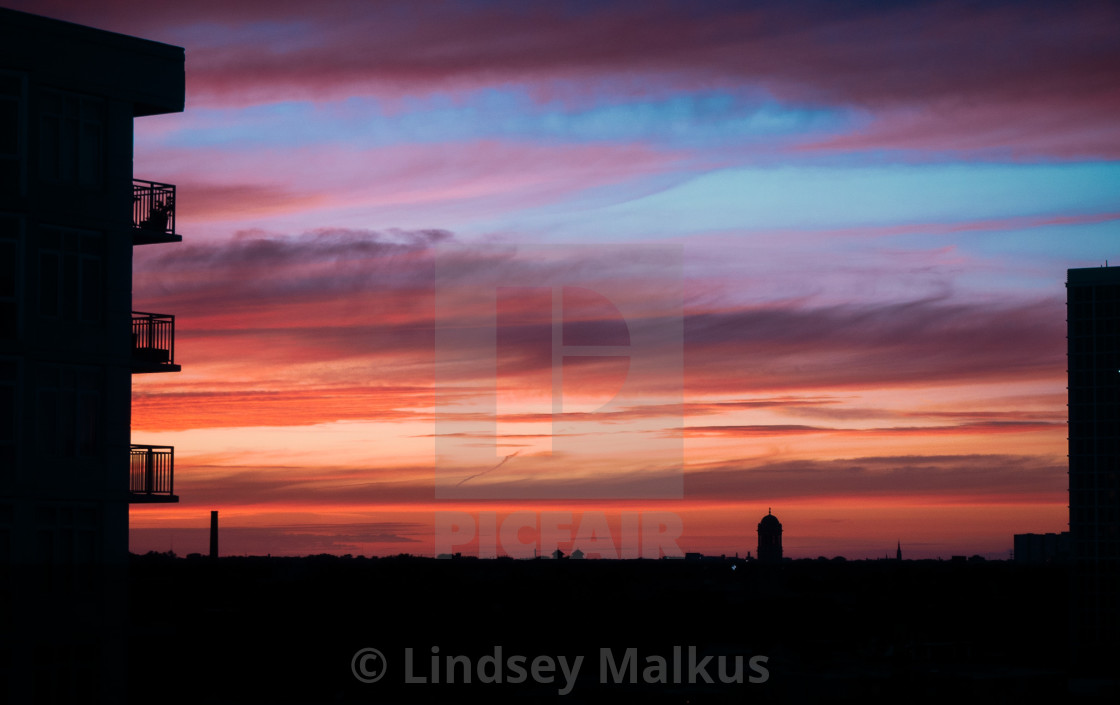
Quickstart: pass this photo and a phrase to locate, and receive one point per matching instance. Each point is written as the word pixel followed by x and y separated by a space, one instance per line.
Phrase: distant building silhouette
pixel 769 539
pixel 1042 548
pixel 898 552
pixel 1093 338
pixel 70 214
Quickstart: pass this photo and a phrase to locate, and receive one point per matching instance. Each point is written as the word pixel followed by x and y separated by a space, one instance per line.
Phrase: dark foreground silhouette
pixel 289 629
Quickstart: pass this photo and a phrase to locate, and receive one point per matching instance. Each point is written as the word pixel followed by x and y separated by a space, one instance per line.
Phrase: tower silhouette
pixel 1093 339
pixel 770 539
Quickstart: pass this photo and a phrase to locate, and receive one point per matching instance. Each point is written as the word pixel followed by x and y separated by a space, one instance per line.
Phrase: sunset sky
pixel 853 219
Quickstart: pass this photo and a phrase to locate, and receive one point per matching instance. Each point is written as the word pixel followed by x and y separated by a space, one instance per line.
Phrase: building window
pixel 67 533
pixel 71 137
pixel 9 399
pixel 11 232
pixel 66 545
pixel 70 274
pixel 7 523
pixel 69 411
pixel 12 131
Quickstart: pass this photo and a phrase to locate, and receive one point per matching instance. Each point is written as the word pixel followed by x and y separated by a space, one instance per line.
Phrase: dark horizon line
pixel 194 555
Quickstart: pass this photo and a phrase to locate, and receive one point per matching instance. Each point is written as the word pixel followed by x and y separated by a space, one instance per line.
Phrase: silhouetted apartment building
pixel 1042 548
pixel 70 215
pixel 1093 329
pixel 770 539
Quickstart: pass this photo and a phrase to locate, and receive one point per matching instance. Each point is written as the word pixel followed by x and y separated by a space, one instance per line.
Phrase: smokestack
pixel 214 534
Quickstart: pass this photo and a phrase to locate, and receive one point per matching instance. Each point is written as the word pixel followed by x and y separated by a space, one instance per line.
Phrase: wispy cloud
pixel 981 478
pixel 365 298
pixel 1011 78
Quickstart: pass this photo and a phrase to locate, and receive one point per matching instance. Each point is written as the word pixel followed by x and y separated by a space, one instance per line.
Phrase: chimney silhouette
pixel 214 534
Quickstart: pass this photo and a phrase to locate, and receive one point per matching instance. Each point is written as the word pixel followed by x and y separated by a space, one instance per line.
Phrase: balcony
pixel 152 474
pixel 153 342
pixel 153 213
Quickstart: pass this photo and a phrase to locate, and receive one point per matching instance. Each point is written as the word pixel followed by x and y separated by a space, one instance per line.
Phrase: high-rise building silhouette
pixel 1093 331
pixel 70 215
pixel 770 539
pixel 1042 548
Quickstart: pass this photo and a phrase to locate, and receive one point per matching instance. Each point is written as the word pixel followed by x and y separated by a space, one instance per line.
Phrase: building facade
pixel 1093 332
pixel 70 341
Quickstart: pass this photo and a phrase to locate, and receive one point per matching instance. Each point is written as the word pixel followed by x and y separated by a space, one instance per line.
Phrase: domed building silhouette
pixel 770 539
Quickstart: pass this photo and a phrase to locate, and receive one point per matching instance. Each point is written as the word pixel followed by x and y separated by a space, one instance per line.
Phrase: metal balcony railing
pixel 151 477
pixel 153 208
pixel 153 342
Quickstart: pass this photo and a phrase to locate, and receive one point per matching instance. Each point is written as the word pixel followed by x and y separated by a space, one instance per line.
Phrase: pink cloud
pixel 487 175
pixel 1025 78
pixel 783 348
pixel 769 430
pixel 1017 127
pixel 333 299
pixel 173 410
pixel 949 478
pixel 946 478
